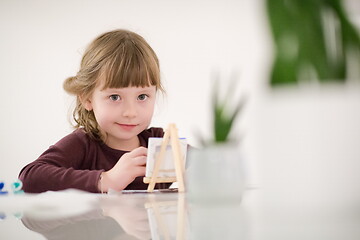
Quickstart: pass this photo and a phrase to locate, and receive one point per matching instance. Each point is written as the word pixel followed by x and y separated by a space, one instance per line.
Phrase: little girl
pixel 116 89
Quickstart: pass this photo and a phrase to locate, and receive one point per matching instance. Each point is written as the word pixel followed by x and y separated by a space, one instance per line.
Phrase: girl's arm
pixel 67 164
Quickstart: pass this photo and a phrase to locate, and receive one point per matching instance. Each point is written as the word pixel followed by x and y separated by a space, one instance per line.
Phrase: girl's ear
pixel 86 102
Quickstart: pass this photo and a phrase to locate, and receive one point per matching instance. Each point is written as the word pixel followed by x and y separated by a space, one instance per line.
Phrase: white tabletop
pixel 76 215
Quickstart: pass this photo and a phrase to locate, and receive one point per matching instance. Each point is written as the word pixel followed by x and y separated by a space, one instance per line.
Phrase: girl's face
pixel 122 113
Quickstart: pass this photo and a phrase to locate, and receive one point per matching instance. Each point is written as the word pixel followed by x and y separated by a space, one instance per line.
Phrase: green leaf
pixel 223 115
pixel 312 39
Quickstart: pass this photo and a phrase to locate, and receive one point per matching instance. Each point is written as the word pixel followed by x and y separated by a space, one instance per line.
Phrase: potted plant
pixel 215 171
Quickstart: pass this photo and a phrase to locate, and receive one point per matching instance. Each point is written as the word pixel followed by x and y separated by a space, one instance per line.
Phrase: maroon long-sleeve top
pixel 76 161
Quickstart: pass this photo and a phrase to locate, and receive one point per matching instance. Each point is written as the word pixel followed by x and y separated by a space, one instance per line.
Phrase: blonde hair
pixel 123 59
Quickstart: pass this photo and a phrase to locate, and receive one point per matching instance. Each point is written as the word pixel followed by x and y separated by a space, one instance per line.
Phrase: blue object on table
pixel 2 191
pixel 16 187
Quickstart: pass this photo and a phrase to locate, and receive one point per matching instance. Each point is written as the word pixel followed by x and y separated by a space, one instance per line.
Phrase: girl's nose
pixel 129 110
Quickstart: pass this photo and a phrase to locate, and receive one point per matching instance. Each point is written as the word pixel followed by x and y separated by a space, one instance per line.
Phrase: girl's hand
pixel 129 166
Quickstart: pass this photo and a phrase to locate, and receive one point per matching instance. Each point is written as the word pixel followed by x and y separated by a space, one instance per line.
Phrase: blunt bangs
pixel 131 65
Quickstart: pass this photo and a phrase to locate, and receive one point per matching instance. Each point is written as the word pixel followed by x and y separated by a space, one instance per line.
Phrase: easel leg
pixel 159 160
pixel 180 232
pixel 178 158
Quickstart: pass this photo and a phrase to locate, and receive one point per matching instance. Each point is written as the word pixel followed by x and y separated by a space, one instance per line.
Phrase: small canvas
pixel 167 168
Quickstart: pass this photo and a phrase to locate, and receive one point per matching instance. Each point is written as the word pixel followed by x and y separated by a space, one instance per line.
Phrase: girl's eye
pixel 114 97
pixel 142 97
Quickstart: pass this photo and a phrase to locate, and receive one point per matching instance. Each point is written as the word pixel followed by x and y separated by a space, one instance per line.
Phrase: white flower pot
pixel 215 174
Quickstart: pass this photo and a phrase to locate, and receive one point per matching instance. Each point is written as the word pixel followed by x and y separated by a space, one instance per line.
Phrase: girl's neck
pixel 125 145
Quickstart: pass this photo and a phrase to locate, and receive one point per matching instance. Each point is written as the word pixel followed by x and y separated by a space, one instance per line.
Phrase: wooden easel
pixel 171 135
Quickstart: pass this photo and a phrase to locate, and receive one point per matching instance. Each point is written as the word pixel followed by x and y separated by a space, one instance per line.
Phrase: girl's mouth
pixel 127 127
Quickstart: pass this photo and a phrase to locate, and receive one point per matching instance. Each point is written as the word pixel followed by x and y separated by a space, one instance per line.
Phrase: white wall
pixel 42 43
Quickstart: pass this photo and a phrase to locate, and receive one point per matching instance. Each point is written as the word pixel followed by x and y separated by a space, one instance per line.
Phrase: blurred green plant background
pixel 314 39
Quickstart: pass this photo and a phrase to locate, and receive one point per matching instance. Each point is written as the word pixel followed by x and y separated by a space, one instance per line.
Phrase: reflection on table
pixel 78 215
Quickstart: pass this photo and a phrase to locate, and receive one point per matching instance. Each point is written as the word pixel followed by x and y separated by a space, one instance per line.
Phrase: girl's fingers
pixel 139 161
pixel 141 171
pixel 140 151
